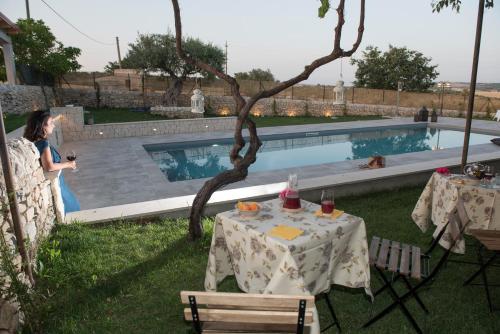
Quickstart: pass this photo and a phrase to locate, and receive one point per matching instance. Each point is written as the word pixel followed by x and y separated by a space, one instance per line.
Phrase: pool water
pixel 201 159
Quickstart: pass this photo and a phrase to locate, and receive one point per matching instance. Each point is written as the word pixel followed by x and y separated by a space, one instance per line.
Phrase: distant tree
pixel 111 66
pixel 256 74
pixel 37 47
pixel 437 5
pixel 383 70
pixel 156 53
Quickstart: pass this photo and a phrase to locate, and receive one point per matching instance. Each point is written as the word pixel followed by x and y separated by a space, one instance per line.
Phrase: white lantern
pixel 197 102
pixel 339 91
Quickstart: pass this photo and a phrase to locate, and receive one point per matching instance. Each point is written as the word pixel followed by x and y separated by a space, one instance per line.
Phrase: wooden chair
pixel 219 312
pixel 490 240
pixel 405 261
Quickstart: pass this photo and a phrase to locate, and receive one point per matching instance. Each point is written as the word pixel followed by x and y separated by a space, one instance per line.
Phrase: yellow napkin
pixel 285 232
pixel 334 215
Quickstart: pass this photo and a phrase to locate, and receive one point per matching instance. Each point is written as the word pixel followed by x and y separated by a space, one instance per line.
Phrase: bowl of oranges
pixel 248 209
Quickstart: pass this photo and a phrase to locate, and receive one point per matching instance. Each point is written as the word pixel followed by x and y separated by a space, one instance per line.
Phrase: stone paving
pixel 119 171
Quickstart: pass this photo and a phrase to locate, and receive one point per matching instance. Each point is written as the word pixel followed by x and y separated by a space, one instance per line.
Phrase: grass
pixel 118 115
pixel 12 121
pixel 126 277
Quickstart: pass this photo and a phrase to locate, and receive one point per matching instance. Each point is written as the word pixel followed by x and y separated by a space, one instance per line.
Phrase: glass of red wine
pixel 327 201
pixel 71 156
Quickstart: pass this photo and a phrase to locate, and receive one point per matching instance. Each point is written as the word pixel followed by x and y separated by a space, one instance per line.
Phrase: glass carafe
pixel 292 199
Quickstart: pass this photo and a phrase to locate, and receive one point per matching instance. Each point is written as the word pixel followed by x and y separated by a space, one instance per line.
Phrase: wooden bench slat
pixel 415 263
pixel 404 267
pixel 374 249
pixel 382 256
pixel 489 238
pixel 247 300
pixel 257 317
pixel 394 256
pixel 238 327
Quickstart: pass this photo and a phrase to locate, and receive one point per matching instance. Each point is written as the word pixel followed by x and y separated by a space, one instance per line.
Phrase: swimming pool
pixel 201 159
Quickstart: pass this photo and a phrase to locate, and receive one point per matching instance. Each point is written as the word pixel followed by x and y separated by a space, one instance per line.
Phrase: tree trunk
pixel 172 92
pixel 241 164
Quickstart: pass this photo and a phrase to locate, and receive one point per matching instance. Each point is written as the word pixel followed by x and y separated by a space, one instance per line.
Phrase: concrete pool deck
pixel 114 172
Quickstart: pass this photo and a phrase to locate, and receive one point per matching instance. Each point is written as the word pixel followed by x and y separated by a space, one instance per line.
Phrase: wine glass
pixel 327 201
pixel 71 156
pixel 489 173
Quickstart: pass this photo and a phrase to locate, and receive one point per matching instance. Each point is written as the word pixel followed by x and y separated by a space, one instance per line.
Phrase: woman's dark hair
pixel 34 126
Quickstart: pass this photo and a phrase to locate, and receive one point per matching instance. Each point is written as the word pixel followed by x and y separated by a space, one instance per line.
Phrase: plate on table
pixel 464 180
pixel 248 209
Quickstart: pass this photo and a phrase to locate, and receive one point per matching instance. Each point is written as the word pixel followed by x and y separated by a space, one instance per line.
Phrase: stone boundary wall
pixel 225 106
pixel 19 99
pixel 36 207
pixel 73 128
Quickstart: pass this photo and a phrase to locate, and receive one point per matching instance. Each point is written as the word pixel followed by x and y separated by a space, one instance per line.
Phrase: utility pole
pixel 226 57
pixel 28 9
pixel 118 49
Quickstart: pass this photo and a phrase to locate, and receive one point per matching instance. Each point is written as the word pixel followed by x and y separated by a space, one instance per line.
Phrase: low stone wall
pixel 18 99
pixel 225 106
pixel 175 112
pixel 37 213
pixel 72 126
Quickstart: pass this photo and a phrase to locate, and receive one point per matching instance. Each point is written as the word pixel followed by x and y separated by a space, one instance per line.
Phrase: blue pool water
pixel 201 159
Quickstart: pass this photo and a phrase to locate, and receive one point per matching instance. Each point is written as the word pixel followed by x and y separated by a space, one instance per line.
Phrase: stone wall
pixel 73 128
pixel 225 106
pixel 17 99
pixel 36 208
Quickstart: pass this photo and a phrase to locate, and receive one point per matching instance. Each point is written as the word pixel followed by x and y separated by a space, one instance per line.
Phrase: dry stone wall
pixel 36 208
pixel 18 99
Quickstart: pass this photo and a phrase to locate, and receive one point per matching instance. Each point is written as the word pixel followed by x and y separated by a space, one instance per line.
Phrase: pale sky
pixel 282 35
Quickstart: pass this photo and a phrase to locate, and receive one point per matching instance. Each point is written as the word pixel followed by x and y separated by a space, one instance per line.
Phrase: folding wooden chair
pixel 406 261
pixel 219 312
pixel 490 240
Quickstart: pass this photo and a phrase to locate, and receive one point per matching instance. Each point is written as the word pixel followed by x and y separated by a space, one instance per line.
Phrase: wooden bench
pixel 220 312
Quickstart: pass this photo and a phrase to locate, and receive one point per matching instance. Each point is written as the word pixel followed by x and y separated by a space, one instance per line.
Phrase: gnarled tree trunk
pixel 241 163
pixel 173 91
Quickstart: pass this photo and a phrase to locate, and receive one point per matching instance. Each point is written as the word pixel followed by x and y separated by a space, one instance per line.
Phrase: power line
pixel 81 32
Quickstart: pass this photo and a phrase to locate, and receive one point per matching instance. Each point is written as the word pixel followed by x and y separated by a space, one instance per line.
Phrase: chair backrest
pixel 457 223
pixel 227 312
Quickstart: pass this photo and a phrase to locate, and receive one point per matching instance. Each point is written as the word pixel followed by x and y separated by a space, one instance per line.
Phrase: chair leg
pixel 398 301
pixel 385 286
pixel 414 293
pixel 480 271
pixel 332 312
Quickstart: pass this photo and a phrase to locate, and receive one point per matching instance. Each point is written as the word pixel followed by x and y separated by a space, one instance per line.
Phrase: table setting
pixel 479 189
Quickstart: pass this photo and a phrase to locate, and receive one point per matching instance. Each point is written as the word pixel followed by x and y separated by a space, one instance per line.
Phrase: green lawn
pixel 117 115
pixel 13 122
pixel 126 277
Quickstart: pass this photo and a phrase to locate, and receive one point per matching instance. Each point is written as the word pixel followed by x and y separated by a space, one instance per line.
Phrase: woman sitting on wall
pixel 38 128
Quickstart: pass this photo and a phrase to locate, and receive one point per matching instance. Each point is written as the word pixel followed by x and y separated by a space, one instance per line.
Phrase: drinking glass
pixel 71 156
pixel 497 180
pixel 327 201
pixel 489 173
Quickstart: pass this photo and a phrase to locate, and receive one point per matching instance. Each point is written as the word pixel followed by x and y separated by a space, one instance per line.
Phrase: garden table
pixel 439 198
pixel 328 252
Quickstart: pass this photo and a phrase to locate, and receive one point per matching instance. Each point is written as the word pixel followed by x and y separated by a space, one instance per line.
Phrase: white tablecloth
pixel 328 252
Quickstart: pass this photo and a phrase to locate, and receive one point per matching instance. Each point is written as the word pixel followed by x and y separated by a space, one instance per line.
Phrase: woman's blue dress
pixel 69 199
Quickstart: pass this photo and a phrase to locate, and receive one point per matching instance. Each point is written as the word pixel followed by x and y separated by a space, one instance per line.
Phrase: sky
pixel 280 35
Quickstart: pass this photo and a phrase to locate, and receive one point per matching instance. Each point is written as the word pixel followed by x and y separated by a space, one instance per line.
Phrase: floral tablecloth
pixel 439 198
pixel 328 252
